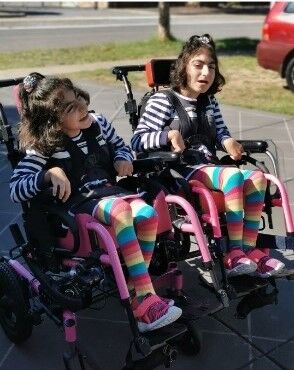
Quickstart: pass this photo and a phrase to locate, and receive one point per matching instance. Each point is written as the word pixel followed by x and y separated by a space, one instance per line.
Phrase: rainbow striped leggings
pixel 244 192
pixel 135 224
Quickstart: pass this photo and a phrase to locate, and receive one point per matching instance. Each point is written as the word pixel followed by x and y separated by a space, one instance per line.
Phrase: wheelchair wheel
pixel 14 308
pixel 191 342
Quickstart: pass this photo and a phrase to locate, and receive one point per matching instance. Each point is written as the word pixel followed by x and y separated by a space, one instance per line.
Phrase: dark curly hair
pixel 178 75
pixel 42 103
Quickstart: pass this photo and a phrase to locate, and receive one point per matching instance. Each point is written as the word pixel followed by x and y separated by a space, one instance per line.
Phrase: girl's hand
pixel 123 168
pixel 176 140
pixel 234 149
pixel 60 182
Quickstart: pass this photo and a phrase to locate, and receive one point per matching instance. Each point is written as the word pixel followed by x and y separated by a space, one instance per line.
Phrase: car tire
pixel 290 74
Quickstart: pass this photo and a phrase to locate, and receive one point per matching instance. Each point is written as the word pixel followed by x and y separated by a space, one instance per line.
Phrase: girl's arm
pixel 28 177
pixel 222 131
pixel 149 134
pixel 122 152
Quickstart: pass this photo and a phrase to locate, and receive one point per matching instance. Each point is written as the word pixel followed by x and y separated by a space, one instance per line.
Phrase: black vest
pixel 81 168
pixel 198 130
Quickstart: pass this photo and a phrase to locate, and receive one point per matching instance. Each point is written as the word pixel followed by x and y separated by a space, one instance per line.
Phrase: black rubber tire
pixel 14 308
pixel 289 74
pixel 191 342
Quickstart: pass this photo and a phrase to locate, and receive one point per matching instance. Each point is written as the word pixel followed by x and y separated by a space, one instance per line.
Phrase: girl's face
pixel 200 72
pixel 75 115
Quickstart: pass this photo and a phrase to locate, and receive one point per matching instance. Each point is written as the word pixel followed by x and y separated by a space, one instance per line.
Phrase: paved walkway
pixel 262 341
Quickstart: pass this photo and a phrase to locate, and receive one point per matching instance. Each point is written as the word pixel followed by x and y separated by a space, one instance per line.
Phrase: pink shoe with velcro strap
pixel 266 265
pixel 153 313
pixel 237 263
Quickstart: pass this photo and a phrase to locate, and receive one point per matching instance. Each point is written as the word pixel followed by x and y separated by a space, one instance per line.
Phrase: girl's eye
pixel 70 108
pixel 212 66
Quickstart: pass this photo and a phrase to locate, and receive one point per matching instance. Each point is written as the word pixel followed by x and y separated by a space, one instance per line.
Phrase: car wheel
pixel 290 74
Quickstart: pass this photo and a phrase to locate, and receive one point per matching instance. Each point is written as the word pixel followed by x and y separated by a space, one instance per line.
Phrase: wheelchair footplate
pixel 195 307
pixel 286 273
pixel 245 284
pixel 194 299
pixel 160 350
pixel 167 333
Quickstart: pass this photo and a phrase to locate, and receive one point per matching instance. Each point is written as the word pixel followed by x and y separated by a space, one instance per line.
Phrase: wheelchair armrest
pixel 163 156
pixel 146 161
pixel 11 82
pixel 254 146
pixel 227 160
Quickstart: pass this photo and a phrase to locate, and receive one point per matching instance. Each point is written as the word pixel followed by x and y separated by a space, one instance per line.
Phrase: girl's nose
pixel 205 70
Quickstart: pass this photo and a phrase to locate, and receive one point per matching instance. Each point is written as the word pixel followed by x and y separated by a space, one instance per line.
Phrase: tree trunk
pixel 164 24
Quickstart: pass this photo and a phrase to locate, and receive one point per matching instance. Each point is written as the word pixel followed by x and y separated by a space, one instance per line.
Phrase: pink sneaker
pixel 266 266
pixel 153 313
pixel 237 263
pixel 170 302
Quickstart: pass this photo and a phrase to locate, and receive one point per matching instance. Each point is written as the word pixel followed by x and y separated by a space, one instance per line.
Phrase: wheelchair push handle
pixel 124 70
pixel 11 82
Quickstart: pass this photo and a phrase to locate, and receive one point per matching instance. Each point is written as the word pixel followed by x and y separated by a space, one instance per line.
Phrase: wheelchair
pixel 57 271
pixel 209 226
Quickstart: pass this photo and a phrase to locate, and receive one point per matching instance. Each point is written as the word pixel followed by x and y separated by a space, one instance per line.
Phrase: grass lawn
pixel 248 85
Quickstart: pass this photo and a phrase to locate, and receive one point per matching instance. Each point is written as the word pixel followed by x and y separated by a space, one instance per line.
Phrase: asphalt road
pixel 77 27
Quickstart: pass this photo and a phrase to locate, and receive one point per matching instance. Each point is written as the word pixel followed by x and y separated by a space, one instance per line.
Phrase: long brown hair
pixel 42 103
pixel 195 43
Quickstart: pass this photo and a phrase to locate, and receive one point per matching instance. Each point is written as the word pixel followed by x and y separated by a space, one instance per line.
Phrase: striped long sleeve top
pixel 28 177
pixel 159 113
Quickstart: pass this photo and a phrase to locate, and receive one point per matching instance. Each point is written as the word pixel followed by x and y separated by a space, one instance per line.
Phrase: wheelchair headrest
pixel 158 72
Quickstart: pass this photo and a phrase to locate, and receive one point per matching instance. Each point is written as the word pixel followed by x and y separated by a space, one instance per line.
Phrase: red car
pixel 276 49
